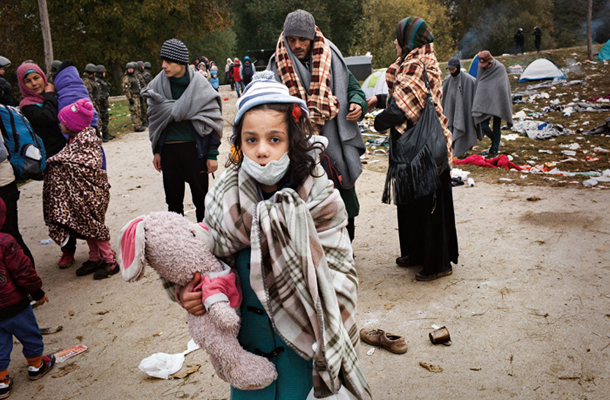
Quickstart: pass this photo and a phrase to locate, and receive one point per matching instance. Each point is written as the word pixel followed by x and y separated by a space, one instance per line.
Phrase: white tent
pixel 375 83
pixel 541 69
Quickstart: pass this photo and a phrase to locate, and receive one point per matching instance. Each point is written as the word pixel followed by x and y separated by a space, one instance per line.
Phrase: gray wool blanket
pixel 345 143
pixel 199 103
pixel 458 95
pixel 492 97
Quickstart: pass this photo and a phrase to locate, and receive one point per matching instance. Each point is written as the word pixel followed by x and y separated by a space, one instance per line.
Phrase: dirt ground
pixel 526 307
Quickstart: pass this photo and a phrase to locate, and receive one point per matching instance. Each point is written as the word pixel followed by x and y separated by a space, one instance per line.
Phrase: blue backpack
pixel 25 148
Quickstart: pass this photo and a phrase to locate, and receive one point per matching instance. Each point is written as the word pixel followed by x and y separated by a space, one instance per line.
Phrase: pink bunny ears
pixel 131 250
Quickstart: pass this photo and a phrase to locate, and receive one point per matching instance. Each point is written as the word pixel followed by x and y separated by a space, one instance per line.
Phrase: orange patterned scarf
pixel 323 105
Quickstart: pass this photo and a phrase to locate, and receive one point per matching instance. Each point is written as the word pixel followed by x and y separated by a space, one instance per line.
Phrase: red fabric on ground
pixel 498 162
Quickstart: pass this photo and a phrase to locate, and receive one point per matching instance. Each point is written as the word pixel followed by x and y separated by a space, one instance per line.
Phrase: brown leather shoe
pixel 377 337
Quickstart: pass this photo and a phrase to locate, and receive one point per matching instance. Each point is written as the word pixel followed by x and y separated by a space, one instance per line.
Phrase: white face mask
pixel 268 175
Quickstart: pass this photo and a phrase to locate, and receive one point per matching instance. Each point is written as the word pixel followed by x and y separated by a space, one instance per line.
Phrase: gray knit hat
pixel 300 23
pixel 176 51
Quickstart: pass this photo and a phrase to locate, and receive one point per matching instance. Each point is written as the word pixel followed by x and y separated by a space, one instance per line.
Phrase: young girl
pixel 276 218
pixel 76 191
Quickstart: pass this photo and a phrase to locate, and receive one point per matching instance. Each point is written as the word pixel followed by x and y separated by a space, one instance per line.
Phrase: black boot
pixel 106 137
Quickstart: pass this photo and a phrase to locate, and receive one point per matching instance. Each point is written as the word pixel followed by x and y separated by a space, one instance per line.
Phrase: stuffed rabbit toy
pixel 175 248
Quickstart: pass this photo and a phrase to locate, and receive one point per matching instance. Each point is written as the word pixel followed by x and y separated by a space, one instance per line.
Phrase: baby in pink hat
pixel 76 192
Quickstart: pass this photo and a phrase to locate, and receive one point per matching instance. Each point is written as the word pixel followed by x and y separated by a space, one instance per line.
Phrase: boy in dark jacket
pixel 18 279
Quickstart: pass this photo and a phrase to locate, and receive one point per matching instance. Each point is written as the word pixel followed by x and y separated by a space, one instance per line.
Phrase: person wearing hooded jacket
pixel 246 71
pixel 426 226
pixel 239 83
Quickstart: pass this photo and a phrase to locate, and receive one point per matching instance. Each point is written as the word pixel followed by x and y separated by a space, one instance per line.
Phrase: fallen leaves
pixel 431 367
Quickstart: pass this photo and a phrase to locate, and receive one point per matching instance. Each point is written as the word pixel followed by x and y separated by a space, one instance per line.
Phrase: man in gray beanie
pixel 185 127
pixel 334 97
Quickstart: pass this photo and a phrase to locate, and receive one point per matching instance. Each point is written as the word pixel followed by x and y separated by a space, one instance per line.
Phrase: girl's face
pixel 264 136
pixel 34 82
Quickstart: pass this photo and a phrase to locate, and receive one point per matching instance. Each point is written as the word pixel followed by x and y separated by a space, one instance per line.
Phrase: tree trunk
pixel 46 33
pixel 589 39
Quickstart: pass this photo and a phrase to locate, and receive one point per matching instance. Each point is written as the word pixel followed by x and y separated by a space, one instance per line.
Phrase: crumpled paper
pixel 162 365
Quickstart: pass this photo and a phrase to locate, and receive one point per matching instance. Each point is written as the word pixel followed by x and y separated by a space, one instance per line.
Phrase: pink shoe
pixel 66 260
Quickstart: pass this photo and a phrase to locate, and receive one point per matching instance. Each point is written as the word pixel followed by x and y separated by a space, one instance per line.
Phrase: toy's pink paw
pixel 253 372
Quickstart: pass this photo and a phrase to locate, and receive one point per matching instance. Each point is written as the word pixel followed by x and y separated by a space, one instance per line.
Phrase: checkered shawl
pixel 323 105
pixel 407 87
pixel 302 268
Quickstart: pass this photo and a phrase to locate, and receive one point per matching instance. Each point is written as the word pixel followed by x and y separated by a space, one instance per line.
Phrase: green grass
pixel 120 119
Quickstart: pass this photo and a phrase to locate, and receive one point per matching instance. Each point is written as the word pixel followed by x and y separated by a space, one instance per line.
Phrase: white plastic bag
pixel 342 394
pixel 162 365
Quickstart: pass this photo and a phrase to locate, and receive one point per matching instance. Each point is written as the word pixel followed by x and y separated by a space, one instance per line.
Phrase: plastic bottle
pixel 470 182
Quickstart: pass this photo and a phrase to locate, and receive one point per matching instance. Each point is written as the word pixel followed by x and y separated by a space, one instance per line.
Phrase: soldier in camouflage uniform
pixel 143 106
pixel 54 67
pixel 147 73
pixel 100 74
pixel 131 90
pixel 92 87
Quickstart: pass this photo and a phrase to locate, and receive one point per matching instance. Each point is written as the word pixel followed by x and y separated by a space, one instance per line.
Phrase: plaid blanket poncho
pixel 302 268
pixel 322 104
pixel 407 87
pixel 76 191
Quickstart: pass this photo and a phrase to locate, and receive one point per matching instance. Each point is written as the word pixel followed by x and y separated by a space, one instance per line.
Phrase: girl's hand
pixel 50 88
pixel 192 301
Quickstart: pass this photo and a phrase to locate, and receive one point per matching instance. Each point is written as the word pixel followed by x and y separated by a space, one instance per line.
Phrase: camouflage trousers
pixel 135 110
pixel 143 109
pixel 104 117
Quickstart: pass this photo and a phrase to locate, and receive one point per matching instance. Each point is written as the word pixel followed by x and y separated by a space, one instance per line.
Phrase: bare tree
pixel 46 34
pixel 589 39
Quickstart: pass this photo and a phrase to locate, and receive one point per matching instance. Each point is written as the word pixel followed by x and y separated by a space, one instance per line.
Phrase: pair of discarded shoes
pixel 377 337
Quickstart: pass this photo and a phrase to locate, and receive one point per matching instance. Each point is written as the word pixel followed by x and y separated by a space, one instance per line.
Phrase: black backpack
pixel 247 71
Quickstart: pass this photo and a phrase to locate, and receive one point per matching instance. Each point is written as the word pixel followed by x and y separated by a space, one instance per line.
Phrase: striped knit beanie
pixel 411 33
pixel 176 51
pixel 264 89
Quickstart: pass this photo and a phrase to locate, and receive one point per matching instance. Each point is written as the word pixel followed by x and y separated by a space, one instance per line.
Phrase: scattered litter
pixel 574 146
pixel 388 306
pixel 158 334
pixel 45 241
pixel 191 370
pixel 470 182
pixel 590 182
pixel 534 198
pixel 568 152
pixel 162 365
pixel 370 351
pixel 545 151
pixel 510 136
pixel 506 180
pixel 440 336
pixel 124 195
pixel 70 352
pixel 431 367
pixel 373 161
pixel 51 330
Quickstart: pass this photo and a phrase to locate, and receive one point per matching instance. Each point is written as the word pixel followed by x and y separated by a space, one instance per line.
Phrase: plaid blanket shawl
pixel 76 191
pixel 406 86
pixel 302 268
pixel 323 105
